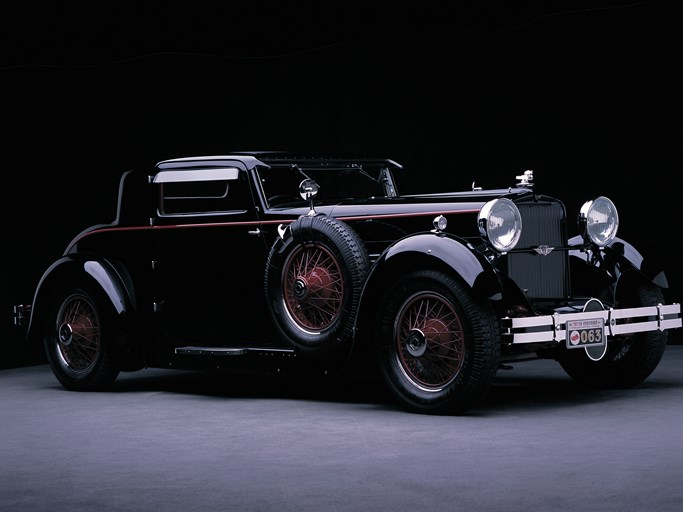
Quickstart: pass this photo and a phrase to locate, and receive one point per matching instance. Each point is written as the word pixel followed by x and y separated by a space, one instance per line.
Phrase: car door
pixel 209 260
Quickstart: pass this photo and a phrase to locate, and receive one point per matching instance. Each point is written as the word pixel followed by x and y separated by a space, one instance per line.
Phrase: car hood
pixel 449 202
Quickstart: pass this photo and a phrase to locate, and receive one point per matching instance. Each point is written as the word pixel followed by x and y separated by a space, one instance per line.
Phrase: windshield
pixel 281 184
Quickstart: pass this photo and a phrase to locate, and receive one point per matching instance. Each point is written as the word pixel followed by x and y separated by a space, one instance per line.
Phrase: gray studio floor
pixel 176 441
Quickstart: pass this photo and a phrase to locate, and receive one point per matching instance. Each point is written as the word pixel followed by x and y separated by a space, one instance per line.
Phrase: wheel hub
pixel 65 334
pixel 300 288
pixel 317 283
pixel 80 327
pixel 416 343
pixel 437 331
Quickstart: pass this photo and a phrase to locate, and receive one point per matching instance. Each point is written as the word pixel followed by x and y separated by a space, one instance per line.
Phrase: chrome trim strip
pixel 538 329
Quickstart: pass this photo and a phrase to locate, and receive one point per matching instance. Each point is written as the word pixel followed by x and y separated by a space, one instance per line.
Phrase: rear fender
pixel 71 269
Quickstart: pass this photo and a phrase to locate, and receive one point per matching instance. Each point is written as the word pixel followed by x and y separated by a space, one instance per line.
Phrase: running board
pixel 229 351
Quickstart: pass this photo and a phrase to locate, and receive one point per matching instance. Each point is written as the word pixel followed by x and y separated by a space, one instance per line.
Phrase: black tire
pixel 629 358
pixel 437 347
pixel 77 344
pixel 313 281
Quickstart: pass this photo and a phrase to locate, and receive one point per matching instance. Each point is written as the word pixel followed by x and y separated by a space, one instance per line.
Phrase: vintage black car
pixel 265 262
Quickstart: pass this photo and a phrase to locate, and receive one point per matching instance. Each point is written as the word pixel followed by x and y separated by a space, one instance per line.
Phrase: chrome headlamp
pixel 598 221
pixel 501 224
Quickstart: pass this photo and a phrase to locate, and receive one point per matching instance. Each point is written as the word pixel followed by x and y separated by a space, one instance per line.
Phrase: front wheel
pixel 76 345
pixel 437 346
pixel 629 358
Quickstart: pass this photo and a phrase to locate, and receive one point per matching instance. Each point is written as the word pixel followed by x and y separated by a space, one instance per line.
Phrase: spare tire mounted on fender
pixel 313 279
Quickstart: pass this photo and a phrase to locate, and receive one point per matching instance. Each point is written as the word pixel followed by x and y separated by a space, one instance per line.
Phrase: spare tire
pixel 313 280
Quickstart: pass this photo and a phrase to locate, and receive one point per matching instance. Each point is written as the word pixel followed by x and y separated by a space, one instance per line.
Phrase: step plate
pixel 227 351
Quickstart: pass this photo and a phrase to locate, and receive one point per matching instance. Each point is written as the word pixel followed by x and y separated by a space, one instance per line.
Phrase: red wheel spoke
pixel 81 345
pixel 81 354
pixel 314 288
pixel 433 354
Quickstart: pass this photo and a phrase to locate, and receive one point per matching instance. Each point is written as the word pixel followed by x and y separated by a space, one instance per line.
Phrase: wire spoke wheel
pixel 315 272
pixel 79 337
pixel 437 345
pixel 78 334
pixel 430 342
pixel 629 359
pixel 313 287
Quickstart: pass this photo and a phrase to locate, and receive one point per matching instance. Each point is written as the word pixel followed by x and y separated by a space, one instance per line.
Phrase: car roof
pixel 241 161
pixel 249 159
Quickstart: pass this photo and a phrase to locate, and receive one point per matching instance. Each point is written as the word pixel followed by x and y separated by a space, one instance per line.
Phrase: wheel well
pixel 69 272
pixel 627 285
pixel 382 276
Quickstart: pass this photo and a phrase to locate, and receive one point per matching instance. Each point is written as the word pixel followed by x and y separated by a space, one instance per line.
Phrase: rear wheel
pixel 76 345
pixel 436 345
pixel 629 358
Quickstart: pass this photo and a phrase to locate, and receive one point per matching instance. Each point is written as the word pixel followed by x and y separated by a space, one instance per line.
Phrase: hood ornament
pixel 543 250
pixel 526 179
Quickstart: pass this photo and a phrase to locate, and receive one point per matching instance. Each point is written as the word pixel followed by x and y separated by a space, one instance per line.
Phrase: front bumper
pixel 553 328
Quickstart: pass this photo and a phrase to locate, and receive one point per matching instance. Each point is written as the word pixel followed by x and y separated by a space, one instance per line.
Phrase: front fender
pixel 437 249
pixel 422 251
pixel 75 268
pixel 621 257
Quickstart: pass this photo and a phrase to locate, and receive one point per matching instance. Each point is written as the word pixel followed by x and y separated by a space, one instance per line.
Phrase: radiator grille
pixel 544 277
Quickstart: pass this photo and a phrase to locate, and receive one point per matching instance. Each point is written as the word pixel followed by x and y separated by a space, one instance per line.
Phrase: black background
pixel 588 94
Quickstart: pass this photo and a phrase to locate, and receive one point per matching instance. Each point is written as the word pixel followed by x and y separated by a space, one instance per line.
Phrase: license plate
pixel 585 333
